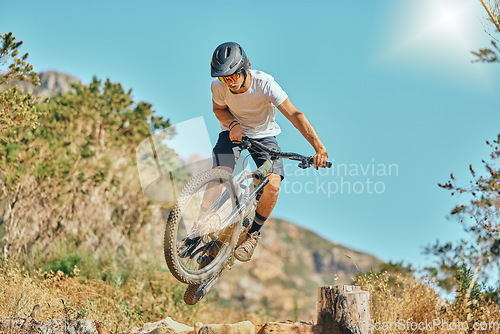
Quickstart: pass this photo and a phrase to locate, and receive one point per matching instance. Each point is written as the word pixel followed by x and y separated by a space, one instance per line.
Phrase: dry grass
pixel 145 298
pixel 400 303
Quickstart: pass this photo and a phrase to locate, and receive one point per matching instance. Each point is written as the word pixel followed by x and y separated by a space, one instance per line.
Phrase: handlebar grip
pixel 328 163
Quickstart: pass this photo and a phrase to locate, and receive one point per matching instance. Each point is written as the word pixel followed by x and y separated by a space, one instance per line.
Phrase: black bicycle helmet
pixel 228 58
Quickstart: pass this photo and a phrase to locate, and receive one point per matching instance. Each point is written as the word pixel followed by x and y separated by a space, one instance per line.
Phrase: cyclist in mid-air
pixel 244 102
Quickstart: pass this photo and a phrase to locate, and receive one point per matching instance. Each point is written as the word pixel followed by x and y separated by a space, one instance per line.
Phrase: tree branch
pixel 492 17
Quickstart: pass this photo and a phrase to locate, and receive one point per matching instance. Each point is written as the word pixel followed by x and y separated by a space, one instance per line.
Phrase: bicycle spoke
pixel 199 230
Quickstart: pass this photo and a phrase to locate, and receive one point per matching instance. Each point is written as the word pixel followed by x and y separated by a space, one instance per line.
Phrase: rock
pixel 244 327
pixel 162 329
pixel 55 326
pixel 289 327
pixel 165 326
pixel 177 326
pixel 197 327
pixel 67 326
pixel 101 329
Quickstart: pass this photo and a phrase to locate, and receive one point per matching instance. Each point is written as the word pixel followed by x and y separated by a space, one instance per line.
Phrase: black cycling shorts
pixel 225 153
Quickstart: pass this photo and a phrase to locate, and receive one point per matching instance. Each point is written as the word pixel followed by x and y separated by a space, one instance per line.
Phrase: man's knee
pixel 273 186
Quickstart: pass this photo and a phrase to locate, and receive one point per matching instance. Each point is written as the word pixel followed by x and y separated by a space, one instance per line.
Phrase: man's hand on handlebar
pixel 236 133
pixel 320 159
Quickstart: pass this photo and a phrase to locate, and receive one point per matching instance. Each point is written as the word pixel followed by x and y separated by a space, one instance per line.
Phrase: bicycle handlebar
pixel 305 161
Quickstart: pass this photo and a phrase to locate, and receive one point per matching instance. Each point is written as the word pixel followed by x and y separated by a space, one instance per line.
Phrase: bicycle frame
pixel 244 200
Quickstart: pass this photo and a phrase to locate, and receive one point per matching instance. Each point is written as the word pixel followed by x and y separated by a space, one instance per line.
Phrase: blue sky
pixel 385 82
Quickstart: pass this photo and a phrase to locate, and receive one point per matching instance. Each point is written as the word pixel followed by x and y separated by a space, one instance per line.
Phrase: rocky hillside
pixel 288 266
pixel 106 212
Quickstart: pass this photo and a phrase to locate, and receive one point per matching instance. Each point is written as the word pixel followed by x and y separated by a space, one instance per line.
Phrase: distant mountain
pixel 52 83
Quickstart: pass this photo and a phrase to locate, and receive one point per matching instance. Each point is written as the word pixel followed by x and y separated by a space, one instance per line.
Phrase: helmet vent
pixel 228 52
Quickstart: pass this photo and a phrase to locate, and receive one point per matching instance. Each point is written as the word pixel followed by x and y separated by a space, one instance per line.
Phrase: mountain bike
pixel 211 218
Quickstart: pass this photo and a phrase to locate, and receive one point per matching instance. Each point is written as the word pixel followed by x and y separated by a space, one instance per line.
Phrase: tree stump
pixel 343 310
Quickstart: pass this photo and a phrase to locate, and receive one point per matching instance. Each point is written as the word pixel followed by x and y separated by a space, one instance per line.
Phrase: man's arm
pixel 225 117
pixel 299 120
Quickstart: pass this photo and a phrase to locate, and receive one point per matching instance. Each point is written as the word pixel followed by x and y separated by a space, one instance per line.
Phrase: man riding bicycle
pixel 244 102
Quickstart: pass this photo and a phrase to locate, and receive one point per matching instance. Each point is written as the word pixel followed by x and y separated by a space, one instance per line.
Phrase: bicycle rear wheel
pixel 198 242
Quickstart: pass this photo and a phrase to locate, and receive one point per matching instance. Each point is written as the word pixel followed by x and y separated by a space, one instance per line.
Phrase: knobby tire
pixel 200 275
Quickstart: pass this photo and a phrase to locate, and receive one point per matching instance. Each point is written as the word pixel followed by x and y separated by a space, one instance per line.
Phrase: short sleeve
pixel 217 97
pixel 275 93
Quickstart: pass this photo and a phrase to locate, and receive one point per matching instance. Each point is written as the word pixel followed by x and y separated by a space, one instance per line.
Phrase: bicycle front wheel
pixel 203 227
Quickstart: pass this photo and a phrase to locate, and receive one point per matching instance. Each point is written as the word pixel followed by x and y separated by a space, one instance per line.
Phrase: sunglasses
pixel 230 78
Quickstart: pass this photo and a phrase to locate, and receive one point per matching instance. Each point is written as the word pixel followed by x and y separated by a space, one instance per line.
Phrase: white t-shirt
pixel 255 108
